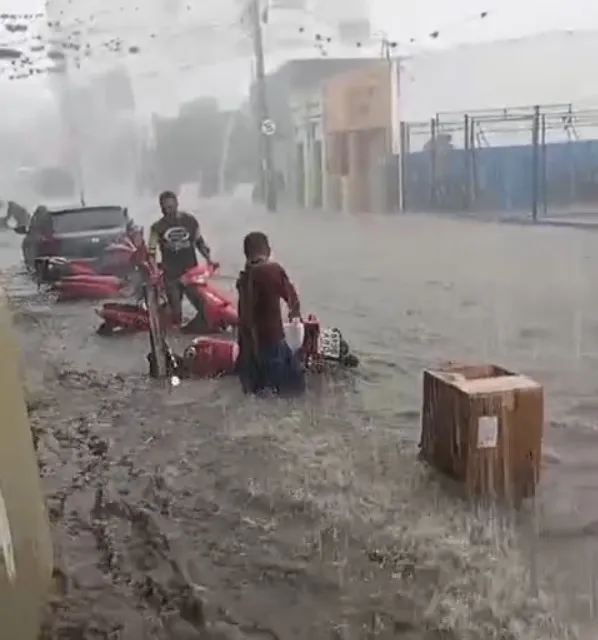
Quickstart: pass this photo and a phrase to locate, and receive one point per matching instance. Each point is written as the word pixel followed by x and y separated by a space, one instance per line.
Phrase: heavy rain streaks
pixel 197 512
pixel 197 507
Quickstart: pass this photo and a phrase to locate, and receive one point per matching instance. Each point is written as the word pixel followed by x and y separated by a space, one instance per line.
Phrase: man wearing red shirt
pixel 265 361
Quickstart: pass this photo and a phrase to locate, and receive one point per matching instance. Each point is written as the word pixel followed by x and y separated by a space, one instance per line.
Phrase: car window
pixel 90 219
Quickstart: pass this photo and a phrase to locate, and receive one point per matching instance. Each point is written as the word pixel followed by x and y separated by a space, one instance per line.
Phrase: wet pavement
pixel 197 512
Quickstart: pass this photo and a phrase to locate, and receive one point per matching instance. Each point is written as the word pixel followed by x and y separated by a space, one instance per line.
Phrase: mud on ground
pixel 197 513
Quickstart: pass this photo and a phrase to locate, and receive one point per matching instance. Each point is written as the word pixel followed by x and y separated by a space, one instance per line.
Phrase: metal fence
pixel 533 160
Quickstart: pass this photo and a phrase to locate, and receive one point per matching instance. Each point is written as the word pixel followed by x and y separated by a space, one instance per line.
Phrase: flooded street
pixel 196 512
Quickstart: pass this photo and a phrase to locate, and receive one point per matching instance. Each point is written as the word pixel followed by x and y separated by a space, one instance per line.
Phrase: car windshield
pixel 89 219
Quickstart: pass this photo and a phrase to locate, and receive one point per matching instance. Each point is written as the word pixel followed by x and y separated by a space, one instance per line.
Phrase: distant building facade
pixel 358 132
pixel 294 83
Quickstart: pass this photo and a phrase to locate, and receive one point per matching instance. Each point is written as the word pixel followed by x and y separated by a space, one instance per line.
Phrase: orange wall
pixel 358 100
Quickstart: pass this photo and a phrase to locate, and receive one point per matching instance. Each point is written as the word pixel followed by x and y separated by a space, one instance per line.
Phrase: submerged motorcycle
pixel 115 260
pixel 108 276
pixel 219 313
pixel 322 350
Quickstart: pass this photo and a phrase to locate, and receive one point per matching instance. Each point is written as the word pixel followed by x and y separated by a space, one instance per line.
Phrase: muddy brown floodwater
pixel 198 513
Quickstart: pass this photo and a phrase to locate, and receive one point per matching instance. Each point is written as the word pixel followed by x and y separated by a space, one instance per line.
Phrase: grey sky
pixel 506 19
pixel 406 20
pixel 458 21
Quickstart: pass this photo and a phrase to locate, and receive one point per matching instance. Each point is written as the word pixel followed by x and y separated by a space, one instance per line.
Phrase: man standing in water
pixel 177 235
pixel 266 363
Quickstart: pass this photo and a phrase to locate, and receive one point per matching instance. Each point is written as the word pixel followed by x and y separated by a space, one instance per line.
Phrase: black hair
pixel 255 242
pixel 167 195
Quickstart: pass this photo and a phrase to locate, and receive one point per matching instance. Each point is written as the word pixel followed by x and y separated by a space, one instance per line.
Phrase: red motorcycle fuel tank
pixel 210 357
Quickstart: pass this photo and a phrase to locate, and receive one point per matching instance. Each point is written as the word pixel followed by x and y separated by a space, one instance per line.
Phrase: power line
pixel 85 30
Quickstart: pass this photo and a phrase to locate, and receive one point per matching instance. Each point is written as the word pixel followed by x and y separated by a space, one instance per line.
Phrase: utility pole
pixel 387 49
pixel 267 174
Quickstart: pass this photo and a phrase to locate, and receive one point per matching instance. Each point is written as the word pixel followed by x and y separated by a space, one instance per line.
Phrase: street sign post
pixel 268 127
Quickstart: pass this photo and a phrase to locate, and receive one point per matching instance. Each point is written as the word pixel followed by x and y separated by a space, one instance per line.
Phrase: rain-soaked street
pixel 176 509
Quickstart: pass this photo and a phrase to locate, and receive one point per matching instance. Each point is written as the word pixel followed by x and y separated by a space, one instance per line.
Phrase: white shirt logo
pixel 177 238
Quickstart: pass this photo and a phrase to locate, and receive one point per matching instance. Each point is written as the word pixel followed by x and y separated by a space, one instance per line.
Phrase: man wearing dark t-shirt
pixel 177 235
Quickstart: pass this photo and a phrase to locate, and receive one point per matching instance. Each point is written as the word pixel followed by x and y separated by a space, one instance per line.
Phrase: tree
pixel 189 148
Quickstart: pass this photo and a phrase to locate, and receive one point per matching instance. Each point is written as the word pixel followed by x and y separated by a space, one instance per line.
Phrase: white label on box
pixel 487 432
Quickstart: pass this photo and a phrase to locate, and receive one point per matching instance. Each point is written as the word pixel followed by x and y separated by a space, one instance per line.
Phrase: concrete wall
pixel 25 542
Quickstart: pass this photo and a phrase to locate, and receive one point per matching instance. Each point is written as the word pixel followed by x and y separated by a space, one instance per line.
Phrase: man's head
pixel 256 245
pixel 169 203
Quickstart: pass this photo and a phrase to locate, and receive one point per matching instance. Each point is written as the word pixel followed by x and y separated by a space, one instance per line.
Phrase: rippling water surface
pixel 313 519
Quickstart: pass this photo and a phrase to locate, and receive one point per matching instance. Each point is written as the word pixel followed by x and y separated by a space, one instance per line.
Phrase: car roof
pixel 78 207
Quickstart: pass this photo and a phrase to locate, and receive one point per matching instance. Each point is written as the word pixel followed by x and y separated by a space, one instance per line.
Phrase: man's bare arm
pixel 152 244
pixel 289 294
pixel 203 248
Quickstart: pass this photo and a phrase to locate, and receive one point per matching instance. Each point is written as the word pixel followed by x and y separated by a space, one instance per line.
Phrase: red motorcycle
pixel 91 287
pixel 78 279
pixel 219 312
pixel 214 356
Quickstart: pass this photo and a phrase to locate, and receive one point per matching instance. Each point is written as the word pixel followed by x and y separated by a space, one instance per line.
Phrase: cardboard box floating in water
pixel 482 425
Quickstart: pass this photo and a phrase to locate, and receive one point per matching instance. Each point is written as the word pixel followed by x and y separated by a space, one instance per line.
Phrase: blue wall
pixel 567 176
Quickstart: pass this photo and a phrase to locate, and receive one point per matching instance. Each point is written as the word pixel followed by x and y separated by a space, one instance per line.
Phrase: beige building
pixel 357 126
